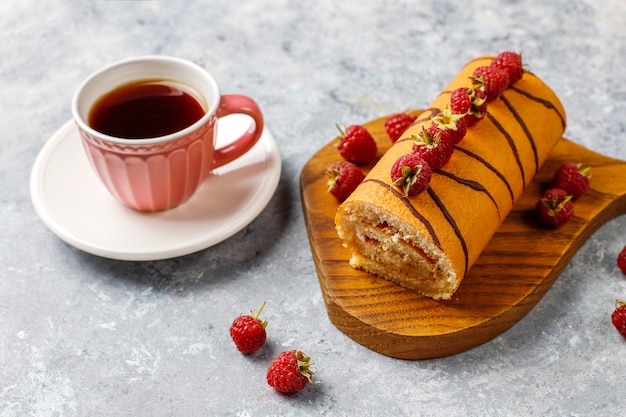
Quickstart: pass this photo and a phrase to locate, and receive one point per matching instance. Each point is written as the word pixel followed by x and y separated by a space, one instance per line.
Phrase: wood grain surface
pixel 518 266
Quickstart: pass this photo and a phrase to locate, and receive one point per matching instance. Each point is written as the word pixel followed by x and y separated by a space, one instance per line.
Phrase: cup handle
pixel 238 104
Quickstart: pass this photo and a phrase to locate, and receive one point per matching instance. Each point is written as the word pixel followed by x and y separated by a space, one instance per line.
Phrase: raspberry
pixel 511 62
pixel 397 124
pixel 411 173
pixel 470 102
pixel 289 372
pixel 357 145
pixel 460 101
pixel 555 207
pixel 248 332
pixel 434 145
pixel 621 260
pixel 454 124
pixel 343 178
pixel 618 318
pixel 492 80
pixel 572 178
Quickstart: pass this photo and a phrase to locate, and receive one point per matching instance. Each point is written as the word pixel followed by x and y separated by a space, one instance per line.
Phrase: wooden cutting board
pixel 518 266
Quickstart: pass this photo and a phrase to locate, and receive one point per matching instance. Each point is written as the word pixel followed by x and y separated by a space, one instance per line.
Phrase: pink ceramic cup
pixel 161 173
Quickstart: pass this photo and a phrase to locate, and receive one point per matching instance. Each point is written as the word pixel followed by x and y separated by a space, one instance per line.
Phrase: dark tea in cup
pixel 148 126
pixel 145 109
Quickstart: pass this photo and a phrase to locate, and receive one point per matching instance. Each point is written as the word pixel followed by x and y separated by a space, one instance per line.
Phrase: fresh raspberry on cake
pixel 470 102
pixel 573 178
pixel 555 207
pixel 511 62
pixel 492 80
pixel 357 145
pixel 290 372
pixel 343 178
pixel 433 145
pixel 454 124
pixel 397 124
pixel 411 174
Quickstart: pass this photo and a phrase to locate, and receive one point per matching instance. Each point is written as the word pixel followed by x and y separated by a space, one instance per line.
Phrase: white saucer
pixel 70 199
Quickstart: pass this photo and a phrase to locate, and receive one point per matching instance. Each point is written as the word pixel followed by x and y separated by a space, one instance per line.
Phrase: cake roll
pixel 428 242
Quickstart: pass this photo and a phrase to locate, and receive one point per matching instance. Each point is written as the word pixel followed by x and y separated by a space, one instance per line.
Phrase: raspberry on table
pixel 248 332
pixel 621 260
pixel 290 372
pixel 618 318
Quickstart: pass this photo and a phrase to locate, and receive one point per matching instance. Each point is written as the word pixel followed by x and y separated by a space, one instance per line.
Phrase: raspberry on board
pixel 573 178
pixel 555 207
pixel 343 178
pixel 356 144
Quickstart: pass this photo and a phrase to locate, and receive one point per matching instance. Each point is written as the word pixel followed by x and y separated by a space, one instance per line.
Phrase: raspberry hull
pixel 555 207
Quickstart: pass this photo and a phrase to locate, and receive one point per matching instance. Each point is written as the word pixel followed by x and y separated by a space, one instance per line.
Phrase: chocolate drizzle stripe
pixel 452 223
pixel 474 185
pixel 408 204
pixel 545 102
pixel 511 145
pixel 490 167
pixel 424 117
pixel 432 112
pixel 521 122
